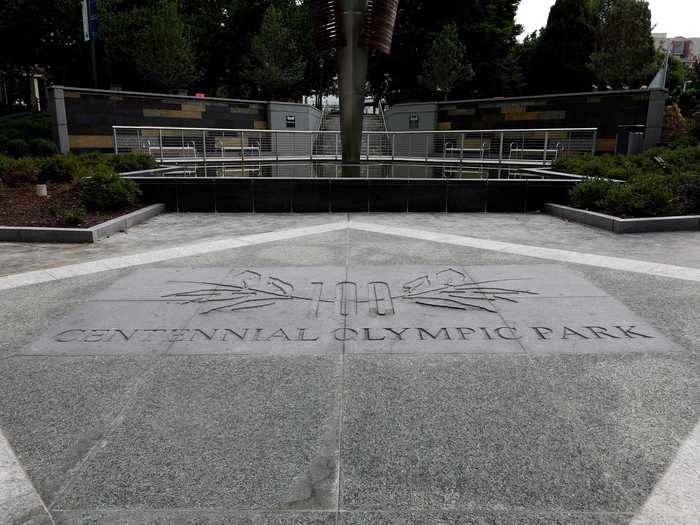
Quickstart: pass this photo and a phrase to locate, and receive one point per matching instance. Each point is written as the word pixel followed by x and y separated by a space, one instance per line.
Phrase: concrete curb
pixel 618 225
pixel 80 235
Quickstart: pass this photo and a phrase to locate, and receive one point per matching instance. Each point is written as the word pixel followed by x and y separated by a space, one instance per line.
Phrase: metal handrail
pixel 446 132
pixel 534 147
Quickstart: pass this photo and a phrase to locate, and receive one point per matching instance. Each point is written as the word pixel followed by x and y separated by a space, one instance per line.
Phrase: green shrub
pixel 16 172
pixel 588 194
pixel 642 196
pixel 17 148
pixel 42 147
pixel 686 188
pixel 27 127
pixel 132 162
pixel 105 190
pixel 94 160
pixel 61 168
pixel 695 128
pixel 67 212
pixel 3 143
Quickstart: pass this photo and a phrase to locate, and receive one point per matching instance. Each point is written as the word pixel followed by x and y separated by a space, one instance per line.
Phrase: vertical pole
pixel 546 145
pixel 204 150
pixel 369 136
pixel 595 142
pixel 93 61
pixel 277 145
pixel 393 147
pixel 160 142
pixel 427 146
pixel 336 145
pixel 243 150
pixel 116 144
pixel 461 148
pixel 311 151
pixel 500 150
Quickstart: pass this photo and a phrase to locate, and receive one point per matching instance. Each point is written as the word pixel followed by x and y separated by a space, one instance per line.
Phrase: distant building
pixel 687 49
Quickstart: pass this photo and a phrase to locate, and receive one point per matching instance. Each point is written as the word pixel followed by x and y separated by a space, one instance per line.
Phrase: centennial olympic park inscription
pixel 481 309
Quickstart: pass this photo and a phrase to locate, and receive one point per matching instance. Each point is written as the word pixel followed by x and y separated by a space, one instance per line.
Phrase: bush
pixel 16 172
pixel 686 187
pixel 132 162
pixel 27 127
pixel 17 148
pixel 42 147
pixel 61 168
pixel 695 128
pixel 588 194
pixel 67 212
pixel 105 190
pixel 643 196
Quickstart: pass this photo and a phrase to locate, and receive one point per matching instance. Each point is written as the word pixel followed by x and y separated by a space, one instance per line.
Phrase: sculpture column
pixel 353 58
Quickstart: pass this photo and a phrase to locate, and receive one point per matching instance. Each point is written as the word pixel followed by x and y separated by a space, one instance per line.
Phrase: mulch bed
pixel 21 207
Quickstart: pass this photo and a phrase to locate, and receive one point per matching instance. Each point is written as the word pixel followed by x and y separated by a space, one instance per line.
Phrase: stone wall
pixel 606 110
pixel 83 118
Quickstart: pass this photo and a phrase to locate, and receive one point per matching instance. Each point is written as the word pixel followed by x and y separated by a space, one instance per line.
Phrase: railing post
pixel 336 135
pixel 160 142
pixel 546 145
pixel 461 148
pixel 500 150
pixel 393 146
pixel 311 156
pixel 116 145
pixel 204 151
pixel 427 146
pixel 243 149
pixel 595 142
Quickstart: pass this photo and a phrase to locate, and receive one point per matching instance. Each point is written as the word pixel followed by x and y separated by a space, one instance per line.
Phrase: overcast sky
pixel 675 17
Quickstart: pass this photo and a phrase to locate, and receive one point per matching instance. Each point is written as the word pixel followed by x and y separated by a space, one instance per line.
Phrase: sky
pixel 675 17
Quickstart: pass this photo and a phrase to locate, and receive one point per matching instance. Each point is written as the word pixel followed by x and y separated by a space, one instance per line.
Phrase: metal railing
pixel 524 147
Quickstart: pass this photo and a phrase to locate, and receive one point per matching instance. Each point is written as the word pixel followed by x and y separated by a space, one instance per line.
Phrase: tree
pixel 164 59
pixel 561 62
pixel 274 66
pixel 146 46
pixel 446 65
pixel 486 28
pixel 42 36
pixel 624 54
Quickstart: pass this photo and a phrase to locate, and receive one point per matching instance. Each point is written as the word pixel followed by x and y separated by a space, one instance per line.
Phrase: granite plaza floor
pixel 363 368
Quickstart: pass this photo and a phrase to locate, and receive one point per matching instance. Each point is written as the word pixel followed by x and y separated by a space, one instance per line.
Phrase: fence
pixel 526 147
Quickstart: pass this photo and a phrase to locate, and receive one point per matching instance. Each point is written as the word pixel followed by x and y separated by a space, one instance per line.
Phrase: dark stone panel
pixel 197 196
pixel 272 196
pixel 165 192
pixel 541 192
pixel 350 195
pixel 234 195
pixel 388 195
pixel 466 195
pixel 311 196
pixel 506 195
pixel 427 196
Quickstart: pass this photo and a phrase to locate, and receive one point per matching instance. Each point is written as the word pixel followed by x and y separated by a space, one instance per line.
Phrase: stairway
pixel 380 143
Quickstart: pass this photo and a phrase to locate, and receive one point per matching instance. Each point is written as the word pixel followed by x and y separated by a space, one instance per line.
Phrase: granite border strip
pixel 618 225
pixel 588 259
pixel 19 500
pixel 127 261
pixel 80 235
pixel 675 496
